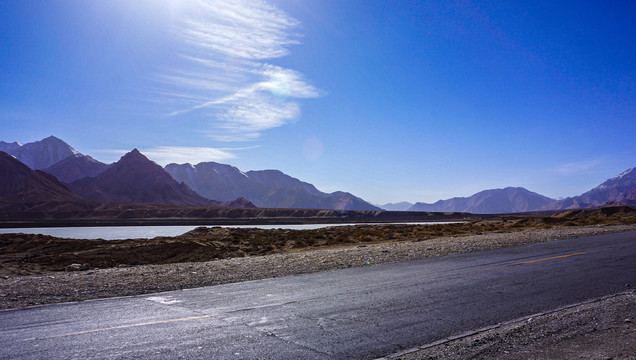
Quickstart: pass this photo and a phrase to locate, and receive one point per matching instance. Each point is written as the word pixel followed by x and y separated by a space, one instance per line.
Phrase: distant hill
pixel 264 188
pixel 620 189
pixel 135 179
pixel 239 202
pixel 401 206
pixel 75 167
pixel 41 154
pixel 23 189
pixel 495 201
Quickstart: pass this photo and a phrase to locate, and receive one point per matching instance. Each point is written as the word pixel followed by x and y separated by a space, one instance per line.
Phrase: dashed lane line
pixel 544 259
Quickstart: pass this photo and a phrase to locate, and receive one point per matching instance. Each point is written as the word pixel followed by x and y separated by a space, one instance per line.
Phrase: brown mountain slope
pixel 135 179
pixel 620 189
pixel 76 167
pixel 23 189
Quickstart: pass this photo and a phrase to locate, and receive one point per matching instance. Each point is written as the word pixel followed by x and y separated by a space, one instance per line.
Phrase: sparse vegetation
pixel 36 253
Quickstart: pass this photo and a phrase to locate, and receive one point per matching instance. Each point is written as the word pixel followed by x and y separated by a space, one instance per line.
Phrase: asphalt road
pixel 365 312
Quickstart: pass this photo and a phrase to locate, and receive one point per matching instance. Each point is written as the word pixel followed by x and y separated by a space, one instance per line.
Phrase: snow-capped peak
pixel 627 172
pixel 618 179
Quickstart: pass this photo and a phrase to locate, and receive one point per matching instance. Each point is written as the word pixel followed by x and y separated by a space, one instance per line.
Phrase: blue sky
pixel 415 101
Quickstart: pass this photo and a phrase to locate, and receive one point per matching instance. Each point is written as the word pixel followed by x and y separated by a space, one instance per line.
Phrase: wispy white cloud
pixel 164 155
pixel 577 168
pixel 226 44
pixel 248 29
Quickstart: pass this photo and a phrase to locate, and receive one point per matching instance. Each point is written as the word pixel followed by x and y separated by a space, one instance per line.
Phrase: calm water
pixel 132 232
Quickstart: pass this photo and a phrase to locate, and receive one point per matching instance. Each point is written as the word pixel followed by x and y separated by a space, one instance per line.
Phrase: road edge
pixel 498 325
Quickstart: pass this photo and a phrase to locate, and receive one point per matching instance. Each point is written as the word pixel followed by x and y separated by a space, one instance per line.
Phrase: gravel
pixel 600 329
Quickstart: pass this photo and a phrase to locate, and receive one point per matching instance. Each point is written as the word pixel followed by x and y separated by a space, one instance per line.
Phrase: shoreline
pixel 114 214
pixel 233 222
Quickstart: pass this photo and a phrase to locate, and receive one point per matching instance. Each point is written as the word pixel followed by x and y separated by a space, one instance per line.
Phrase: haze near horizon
pixel 415 101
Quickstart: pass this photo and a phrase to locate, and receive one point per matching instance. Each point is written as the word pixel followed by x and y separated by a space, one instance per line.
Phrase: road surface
pixel 365 312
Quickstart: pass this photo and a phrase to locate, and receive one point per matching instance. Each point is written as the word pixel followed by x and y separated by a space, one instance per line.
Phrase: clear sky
pixel 392 101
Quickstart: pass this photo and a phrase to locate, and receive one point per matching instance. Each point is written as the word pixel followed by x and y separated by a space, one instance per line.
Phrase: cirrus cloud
pixel 225 80
pixel 164 155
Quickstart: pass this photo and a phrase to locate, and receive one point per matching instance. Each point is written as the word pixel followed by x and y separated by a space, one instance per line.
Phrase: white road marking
pixel 163 300
pixel 124 327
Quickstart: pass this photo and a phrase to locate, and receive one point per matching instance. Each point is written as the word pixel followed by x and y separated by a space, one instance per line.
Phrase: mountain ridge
pixel 75 167
pixel 40 154
pixel 620 189
pixel 136 179
pixel 223 184
pixel 492 201
pixel 264 188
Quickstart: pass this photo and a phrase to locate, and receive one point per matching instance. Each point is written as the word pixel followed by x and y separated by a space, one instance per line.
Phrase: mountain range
pixel 136 179
pixel 495 201
pixel 264 188
pixel 620 189
pixel 63 173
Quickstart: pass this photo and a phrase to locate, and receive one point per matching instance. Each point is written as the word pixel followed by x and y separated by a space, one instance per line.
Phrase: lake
pixel 132 232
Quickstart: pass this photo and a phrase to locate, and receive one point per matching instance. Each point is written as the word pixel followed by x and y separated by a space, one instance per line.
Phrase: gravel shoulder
pixel 600 329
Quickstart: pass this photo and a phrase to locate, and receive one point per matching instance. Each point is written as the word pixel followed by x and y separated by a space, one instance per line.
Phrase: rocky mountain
pixel 23 189
pixel 620 189
pixel 41 154
pixel 135 179
pixel 216 181
pixel 401 206
pixel 9 147
pixel 265 188
pixel 296 198
pixel 75 167
pixel 55 157
pixel 275 179
pixel 496 201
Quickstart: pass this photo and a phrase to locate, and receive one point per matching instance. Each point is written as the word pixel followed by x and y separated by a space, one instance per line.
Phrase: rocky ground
pixel 601 329
pixel 32 270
